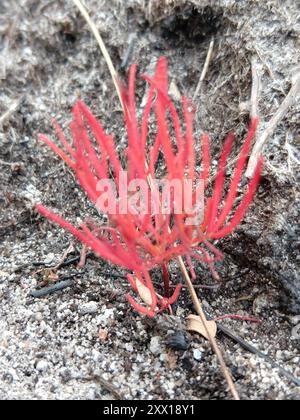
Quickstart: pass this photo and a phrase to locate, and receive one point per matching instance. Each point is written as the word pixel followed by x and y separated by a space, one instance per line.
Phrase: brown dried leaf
pixel 195 324
pixel 144 292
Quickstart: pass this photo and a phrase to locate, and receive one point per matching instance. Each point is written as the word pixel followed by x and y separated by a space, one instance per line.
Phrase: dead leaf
pixel 195 324
pixel 144 292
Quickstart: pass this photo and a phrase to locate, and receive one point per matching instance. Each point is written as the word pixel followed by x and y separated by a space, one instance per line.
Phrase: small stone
pixel 197 354
pixel 261 303
pixel 155 346
pixel 42 366
pixel 49 258
pixel 295 319
pixel 106 317
pixel 3 274
pixel 163 357
pixel 88 308
pixel 129 347
pixel 265 380
pixel 296 333
pixel 96 356
pixel 108 313
pixel 244 107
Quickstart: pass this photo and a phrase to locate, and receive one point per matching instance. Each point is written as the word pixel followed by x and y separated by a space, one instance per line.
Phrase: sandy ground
pixel 56 347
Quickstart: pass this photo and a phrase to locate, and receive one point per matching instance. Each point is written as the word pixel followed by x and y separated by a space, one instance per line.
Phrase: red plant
pixel 141 242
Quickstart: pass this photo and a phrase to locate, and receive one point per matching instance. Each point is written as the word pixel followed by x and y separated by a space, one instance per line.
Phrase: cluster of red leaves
pixel 140 243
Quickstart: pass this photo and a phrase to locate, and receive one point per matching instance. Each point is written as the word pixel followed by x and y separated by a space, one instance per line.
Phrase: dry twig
pixel 205 68
pixel 256 87
pixel 102 46
pixel 212 340
pixel 7 114
pixel 277 118
pixel 108 386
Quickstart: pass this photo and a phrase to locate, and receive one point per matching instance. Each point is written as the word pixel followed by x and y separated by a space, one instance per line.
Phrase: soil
pixel 85 342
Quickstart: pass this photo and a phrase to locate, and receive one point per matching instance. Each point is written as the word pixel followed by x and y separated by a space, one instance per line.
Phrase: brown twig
pixel 256 87
pixel 64 257
pixel 205 68
pixel 102 46
pixel 7 114
pixel 212 340
pixel 106 385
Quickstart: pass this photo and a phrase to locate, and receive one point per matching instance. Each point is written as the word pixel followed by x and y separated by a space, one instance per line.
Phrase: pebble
pixel 42 366
pixel 163 357
pixel 49 258
pixel 261 303
pixel 296 332
pixel 108 313
pixel 88 308
pixel 106 317
pixel 155 345
pixel 129 347
pixel 295 320
pixel 197 354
